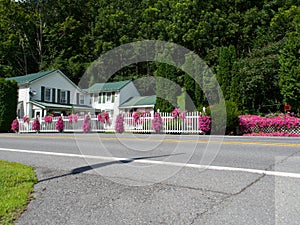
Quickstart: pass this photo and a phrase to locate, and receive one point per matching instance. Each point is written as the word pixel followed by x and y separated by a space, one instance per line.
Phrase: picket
pixel 141 123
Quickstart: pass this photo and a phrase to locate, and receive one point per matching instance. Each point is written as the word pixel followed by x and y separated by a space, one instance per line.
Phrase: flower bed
pixel 278 125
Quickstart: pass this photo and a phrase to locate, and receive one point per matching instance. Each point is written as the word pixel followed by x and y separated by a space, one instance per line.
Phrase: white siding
pixel 127 92
pixel 23 94
pixel 57 81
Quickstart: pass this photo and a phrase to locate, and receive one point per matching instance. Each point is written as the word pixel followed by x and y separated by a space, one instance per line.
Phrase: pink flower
pixel 136 117
pixel 204 123
pixel 119 126
pixel 60 124
pixel 36 125
pixel 157 122
pixel 86 126
pixel 48 119
pixel 15 125
pixel 103 117
pixel 254 124
pixel 26 119
pixel 73 117
pixel 175 113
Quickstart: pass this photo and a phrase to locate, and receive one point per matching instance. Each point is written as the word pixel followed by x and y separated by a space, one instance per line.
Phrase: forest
pixel 253 46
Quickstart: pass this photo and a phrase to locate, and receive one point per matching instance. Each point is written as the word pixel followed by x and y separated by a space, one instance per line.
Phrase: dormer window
pixel 106 97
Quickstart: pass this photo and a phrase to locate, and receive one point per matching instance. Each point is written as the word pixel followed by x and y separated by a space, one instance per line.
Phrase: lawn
pixel 16 187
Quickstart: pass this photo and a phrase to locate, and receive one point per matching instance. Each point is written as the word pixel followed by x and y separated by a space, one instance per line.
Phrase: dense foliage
pixel 241 41
pixel 8 103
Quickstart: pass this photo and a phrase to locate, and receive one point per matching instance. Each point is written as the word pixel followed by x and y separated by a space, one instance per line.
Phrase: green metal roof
pixel 30 77
pixel 110 86
pixel 140 101
pixel 45 105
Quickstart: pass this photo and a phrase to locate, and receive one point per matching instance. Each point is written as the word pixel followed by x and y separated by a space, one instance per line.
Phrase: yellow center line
pixel 83 137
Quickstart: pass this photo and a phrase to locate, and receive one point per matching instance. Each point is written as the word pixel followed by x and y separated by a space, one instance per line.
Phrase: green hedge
pixel 231 117
pixel 8 103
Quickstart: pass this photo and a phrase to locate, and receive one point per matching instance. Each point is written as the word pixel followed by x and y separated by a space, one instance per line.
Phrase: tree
pixel 227 58
pixel 8 103
pixel 290 55
pixel 290 70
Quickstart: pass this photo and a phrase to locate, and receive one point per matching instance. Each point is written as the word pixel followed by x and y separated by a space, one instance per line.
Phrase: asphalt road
pixel 159 179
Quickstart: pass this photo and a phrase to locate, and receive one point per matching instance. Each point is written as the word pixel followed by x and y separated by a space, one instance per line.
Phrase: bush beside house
pixel 8 103
pixel 222 121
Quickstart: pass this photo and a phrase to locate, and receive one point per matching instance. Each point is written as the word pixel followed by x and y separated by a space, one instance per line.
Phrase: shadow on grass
pixel 83 169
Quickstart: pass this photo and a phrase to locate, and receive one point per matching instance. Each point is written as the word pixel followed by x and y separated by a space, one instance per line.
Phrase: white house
pixel 53 92
pixel 49 92
pixel 139 104
pixel 109 96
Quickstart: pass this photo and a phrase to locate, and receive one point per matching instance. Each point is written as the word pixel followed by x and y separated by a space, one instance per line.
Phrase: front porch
pixel 34 109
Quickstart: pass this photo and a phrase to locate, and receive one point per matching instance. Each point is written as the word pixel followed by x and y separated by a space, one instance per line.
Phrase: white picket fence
pixel 143 125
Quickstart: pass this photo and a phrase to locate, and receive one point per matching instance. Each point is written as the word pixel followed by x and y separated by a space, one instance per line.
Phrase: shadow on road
pixel 83 169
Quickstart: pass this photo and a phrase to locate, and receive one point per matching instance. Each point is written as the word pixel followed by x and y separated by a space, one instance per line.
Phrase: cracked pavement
pixel 71 191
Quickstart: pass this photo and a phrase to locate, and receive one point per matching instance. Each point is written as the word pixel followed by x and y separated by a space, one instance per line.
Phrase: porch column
pixel 29 110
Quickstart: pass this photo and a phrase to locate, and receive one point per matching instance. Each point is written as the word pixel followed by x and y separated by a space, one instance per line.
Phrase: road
pixel 159 179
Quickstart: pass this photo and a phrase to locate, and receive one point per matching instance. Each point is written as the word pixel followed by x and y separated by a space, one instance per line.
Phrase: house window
pixel 81 99
pixel 113 97
pixel 95 98
pixel 108 97
pixel 100 98
pixel 47 94
pixel 91 98
pixel 103 97
pixel 63 97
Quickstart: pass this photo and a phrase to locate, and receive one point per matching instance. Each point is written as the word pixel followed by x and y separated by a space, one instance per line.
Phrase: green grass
pixel 16 187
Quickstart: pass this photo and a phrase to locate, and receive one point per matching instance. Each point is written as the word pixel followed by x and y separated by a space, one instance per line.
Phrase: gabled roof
pixel 110 86
pixel 140 101
pixel 30 77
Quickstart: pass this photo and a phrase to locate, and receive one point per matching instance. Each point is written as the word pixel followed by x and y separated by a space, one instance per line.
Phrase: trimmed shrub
pixel 119 126
pixel 36 125
pixel 157 122
pixel 60 125
pixel 15 125
pixel 230 125
pixel 86 126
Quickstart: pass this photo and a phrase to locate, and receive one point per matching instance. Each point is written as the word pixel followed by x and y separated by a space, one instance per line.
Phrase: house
pixel 53 92
pixel 139 104
pixel 49 92
pixel 109 96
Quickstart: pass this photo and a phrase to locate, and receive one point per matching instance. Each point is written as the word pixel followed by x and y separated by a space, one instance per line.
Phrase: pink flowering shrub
pixel 273 134
pixel 157 122
pixel 36 125
pixel 175 113
pixel 26 119
pixel 178 120
pixel 48 119
pixel 137 117
pixel 15 125
pixel 103 117
pixel 119 126
pixel 204 123
pixel 279 123
pixel 73 117
pixel 86 126
pixel 60 124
